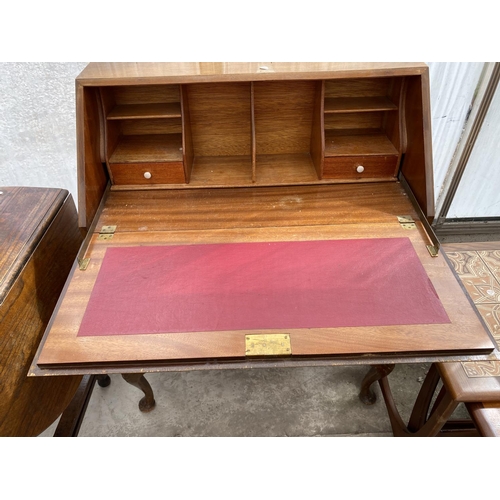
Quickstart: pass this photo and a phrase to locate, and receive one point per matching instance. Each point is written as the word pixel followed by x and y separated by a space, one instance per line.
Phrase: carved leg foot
pixel 147 403
pixel 375 373
pixel 103 380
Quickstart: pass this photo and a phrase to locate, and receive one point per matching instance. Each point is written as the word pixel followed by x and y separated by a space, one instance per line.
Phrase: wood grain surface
pixel 44 249
pixel 143 111
pixel 284 116
pixel 345 167
pixel 471 389
pixel 318 115
pixel 358 145
pixel 148 148
pixel 92 175
pixel 264 215
pixel 190 72
pixel 318 130
pixel 220 119
pixel 357 88
pixel 417 165
pixel 158 172
pixel 262 125
pixel 358 104
pixel 20 235
pixel 486 416
pixel 145 94
pixel 263 207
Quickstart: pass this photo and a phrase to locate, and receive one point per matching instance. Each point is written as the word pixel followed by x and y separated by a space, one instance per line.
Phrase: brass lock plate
pixel 268 345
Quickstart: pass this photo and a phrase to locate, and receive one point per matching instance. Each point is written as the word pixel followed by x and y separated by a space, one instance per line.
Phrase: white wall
pixel 37 120
pixel 478 194
pixel 37 124
pixel 452 90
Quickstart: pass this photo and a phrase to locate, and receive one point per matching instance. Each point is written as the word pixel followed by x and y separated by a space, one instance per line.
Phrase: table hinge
pixel 106 232
pixel 433 250
pixel 268 345
pixel 83 264
pixel 406 221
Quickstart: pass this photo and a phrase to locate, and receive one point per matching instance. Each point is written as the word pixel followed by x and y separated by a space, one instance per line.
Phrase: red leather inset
pixel 252 286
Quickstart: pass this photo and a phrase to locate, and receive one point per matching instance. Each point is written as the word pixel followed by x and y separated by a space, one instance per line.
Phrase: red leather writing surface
pixel 250 286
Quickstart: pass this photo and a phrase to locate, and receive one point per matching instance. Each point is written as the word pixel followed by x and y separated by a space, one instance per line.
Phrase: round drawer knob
pixel 147 175
pixel 360 169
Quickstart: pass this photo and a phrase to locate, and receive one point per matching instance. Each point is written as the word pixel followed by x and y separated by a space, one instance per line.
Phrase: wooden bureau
pixel 241 153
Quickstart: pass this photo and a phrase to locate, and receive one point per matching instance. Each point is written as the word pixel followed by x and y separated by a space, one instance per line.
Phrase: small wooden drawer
pixel 148 173
pixel 360 167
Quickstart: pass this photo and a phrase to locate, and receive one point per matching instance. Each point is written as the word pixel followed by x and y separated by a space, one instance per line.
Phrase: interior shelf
pixel 353 143
pixel 296 168
pixel 358 104
pixel 148 148
pixel 144 111
pixel 221 171
pixel 237 170
pixel 252 134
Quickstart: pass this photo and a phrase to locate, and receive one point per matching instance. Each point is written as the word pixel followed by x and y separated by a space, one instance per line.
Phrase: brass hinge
pixel 106 232
pixel 268 345
pixel 433 250
pixel 407 222
pixel 83 264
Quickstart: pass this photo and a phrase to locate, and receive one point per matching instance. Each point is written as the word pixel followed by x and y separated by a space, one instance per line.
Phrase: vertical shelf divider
pixel 187 136
pixel 318 130
pixel 111 130
pixel 254 146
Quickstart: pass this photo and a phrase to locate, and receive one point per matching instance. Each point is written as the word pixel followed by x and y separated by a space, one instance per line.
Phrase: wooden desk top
pixel 106 73
pixel 192 216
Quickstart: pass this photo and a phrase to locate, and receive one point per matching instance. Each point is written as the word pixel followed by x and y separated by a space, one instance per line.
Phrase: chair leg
pixel 438 418
pixel 423 402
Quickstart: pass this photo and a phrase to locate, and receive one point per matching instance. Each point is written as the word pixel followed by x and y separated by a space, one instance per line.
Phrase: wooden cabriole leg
pixel 147 403
pixel 103 380
pixel 375 373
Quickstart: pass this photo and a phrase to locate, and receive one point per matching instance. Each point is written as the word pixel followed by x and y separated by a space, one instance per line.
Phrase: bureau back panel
pixel 284 116
pixel 220 118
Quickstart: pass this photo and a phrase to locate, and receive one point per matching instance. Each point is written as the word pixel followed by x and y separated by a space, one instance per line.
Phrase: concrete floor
pixel 262 402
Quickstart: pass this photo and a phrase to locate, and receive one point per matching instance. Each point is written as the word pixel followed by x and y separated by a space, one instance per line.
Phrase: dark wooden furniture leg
pixel 103 380
pixel 442 410
pixel 423 402
pixel 375 373
pixel 147 403
pixel 72 418
pixel 422 422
